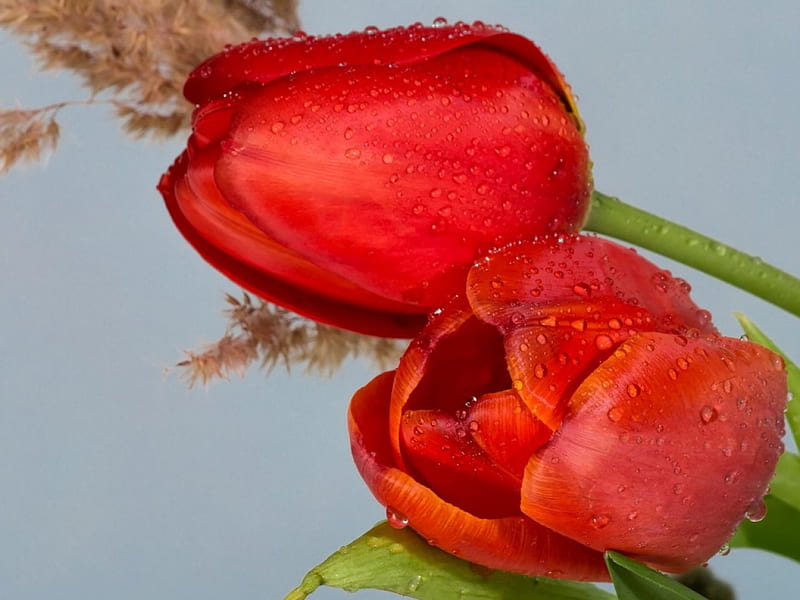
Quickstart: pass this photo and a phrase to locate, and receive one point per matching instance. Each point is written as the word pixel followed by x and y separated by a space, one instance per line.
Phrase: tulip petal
pixel 653 441
pixel 455 359
pixel 439 450
pixel 506 431
pixel 583 281
pixel 440 161
pixel 234 246
pixel 264 61
pixel 514 544
pixel 564 304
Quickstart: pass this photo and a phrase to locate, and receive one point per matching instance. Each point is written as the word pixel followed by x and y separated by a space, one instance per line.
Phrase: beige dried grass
pixel 132 56
pixel 135 57
pixel 259 332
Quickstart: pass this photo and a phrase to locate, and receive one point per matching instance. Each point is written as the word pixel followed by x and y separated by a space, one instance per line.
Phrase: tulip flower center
pixel 465 430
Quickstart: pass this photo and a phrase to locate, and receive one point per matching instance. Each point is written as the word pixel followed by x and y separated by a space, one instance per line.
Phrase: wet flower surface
pixel 574 400
pixel 355 178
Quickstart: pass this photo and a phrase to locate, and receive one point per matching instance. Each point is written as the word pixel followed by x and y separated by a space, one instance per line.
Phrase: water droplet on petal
pixel 633 390
pixel 582 289
pixel 540 371
pixel 756 511
pixel 554 573
pixel 395 518
pixel 352 153
pixel 708 414
pixel 615 414
pixel 603 342
pixel 724 550
pixel 600 521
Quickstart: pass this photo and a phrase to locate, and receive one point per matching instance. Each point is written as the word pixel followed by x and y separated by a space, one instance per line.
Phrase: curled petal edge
pixel 515 544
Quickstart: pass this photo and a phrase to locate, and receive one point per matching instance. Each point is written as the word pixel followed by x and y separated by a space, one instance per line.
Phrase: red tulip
pixel 355 178
pixel 574 401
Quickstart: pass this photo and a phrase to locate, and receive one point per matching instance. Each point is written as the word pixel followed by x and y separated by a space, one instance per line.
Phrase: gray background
pixel 118 482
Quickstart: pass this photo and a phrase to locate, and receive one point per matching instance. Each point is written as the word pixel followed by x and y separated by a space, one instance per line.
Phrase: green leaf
pixel 780 531
pixel 400 561
pixel 635 581
pixel 792 373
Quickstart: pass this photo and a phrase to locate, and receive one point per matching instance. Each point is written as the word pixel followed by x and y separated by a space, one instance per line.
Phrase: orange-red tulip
pixel 575 400
pixel 355 178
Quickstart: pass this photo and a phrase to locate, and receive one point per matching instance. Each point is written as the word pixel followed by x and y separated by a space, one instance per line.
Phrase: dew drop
pixel 582 289
pixel 388 159
pixel 756 511
pixel 277 126
pixel 599 521
pixel 724 550
pixel 615 414
pixel 517 384
pixel 540 371
pixel 603 342
pixel 439 22
pixel 352 153
pixel 414 583
pixel 348 133
pixel 474 426
pixel 554 573
pixel 633 390
pixel 708 414
pixel 395 518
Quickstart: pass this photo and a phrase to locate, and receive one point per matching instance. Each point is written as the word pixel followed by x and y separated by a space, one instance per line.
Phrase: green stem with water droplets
pixel 610 216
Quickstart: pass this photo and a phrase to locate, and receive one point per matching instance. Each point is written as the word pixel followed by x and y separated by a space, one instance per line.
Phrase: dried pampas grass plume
pixel 273 336
pixel 132 56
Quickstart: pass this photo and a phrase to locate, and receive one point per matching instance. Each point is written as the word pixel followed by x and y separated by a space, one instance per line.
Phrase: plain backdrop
pixel 116 481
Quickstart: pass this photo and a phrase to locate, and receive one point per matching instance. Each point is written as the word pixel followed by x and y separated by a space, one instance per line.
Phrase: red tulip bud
pixel 355 178
pixel 575 400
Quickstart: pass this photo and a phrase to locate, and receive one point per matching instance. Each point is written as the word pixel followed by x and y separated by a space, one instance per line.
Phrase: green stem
pixel 610 216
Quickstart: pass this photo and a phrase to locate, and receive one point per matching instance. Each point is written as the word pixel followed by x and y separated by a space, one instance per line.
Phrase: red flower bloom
pixel 354 179
pixel 576 400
